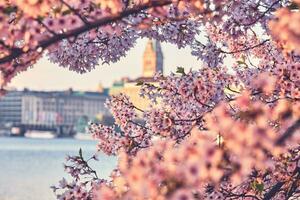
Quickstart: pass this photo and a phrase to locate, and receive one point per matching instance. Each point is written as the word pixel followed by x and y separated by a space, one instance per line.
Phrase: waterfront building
pixel 11 107
pixel 152 63
pixel 50 110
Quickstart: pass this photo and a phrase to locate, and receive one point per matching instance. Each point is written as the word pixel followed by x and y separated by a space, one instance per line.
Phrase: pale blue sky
pixel 48 76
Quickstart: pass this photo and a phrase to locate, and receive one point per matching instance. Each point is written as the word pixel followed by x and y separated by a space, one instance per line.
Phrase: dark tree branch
pixel 232 90
pixel 245 49
pixel 293 186
pixel 2 43
pixel 87 27
pixel 273 191
pixel 288 133
pixel 239 50
pixel 263 14
pixel 188 120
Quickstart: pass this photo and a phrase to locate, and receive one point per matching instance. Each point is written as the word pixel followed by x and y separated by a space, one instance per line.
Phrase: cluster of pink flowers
pixel 122 109
pixel 286 28
pixel 81 55
pixel 109 141
pixel 231 152
pixel 28 28
pixel 84 179
pixel 229 130
pixel 242 137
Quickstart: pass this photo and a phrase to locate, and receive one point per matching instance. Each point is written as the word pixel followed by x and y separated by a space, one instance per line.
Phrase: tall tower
pixel 153 59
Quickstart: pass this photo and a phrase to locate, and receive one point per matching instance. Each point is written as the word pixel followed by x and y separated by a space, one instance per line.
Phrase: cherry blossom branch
pixel 274 190
pixel 293 187
pixel 131 105
pixel 188 120
pixel 17 52
pixel 46 27
pixel 238 196
pixel 199 101
pixel 140 125
pixel 238 50
pixel 245 49
pixel 185 134
pixel 288 133
pixel 160 88
pixel 263 14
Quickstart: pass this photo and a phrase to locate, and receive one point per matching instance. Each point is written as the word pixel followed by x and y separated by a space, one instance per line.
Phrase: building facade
pixel 50 109
pixel 11 107
pixel 152 63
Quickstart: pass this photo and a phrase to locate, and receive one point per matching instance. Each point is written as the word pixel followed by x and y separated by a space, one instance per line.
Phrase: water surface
pixel 28 167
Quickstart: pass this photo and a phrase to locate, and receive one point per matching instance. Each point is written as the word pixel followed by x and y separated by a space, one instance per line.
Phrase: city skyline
pixel 39 77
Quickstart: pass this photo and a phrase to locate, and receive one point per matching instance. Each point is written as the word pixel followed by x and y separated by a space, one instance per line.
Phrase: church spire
pixel 153 59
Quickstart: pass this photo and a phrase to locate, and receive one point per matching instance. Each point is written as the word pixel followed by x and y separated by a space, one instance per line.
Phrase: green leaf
pixel 260 187
pixel 180 70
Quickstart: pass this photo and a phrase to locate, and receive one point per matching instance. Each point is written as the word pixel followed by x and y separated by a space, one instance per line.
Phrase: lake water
pixel 28 167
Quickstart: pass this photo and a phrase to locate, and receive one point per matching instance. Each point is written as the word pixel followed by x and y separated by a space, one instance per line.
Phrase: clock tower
pixel 153 59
